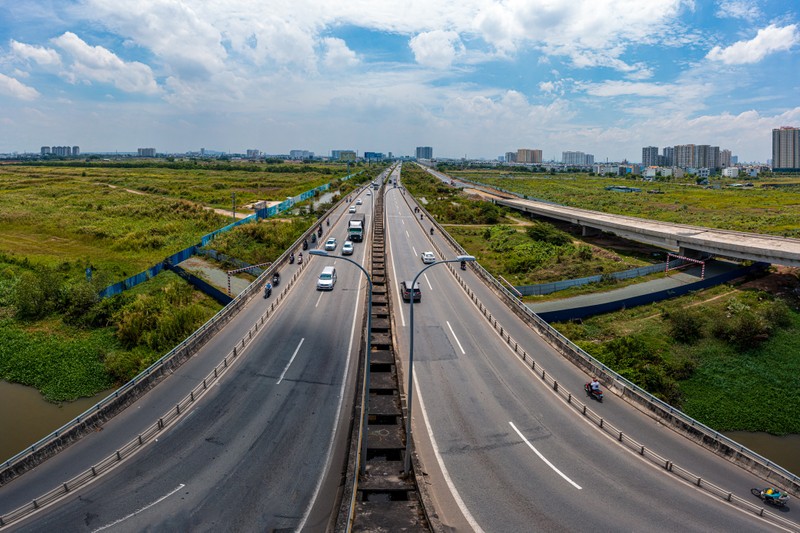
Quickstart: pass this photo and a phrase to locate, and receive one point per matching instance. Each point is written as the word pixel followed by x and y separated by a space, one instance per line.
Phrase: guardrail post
pixel 178 409
pixel 234 351
pixel 35 504
pixel 140 440
pixel 94 472
pixel 160 423
pixel 66 489
pixel 215 371
pixel 730 495
pixel 555 385
pixel 191 395
pixel 620 436
pixel 119 456
pixel 641 451
pixel 699 481
pixel 569 397
pixel 225 361
pixel 601 422
pixel 205 386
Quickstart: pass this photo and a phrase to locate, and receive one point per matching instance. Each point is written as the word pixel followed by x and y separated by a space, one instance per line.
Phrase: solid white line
pixel 396 282
pixel 329 452
pixel 290 361
pixel 456 338
pixel 427 280
pixel 413 249
pixel 146 507
pixel 543 458
pixel 318 300
pixel 456 496
pixel 407 235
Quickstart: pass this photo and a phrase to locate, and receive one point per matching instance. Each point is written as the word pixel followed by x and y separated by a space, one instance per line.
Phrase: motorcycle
pixel 276 279
pixel 463 265
pixel 422 217
pixel 328 222
pixel 291 259
pixel 431 231
pixel 300 259
pixel 267 291
pixel 319 231
pixel 596 394
pixel 313 238
pixel 776 497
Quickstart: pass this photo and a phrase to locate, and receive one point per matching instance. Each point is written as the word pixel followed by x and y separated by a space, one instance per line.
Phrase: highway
pixel 502 452
pixel 263 450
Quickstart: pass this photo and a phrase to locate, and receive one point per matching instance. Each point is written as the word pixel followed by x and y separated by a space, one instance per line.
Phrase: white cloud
pixel 12 87
pixel 46 57
pixel 767 41
pixel 740 9
pixel 338 55
pixel 95 63
pixel 437 48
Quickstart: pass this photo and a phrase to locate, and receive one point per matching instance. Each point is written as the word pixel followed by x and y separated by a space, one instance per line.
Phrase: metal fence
pixel 547 288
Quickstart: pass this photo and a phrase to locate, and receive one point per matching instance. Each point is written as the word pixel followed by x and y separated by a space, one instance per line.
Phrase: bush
pixel 686 324
pixel 542 231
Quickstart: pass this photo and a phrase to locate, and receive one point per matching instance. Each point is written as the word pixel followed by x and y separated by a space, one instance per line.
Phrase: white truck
pixel 356 227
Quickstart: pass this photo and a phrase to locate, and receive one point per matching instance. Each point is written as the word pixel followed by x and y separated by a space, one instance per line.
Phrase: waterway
pixel 784 450
pixel 26 417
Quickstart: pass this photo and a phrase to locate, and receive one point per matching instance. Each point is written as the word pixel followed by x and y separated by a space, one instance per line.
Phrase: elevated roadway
pixel 502 452
pixel 263 450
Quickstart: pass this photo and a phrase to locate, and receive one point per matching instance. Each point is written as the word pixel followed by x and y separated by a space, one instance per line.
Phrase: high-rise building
pixel 577 159
pixel 61 151
pixel 76 150
pixel 684 156
pixel 724 158
pixel 786 149
pixel 650 156
pixel 706 156
pixel 669 156
pixel 511 157
pixel 146 152
pixel 299 155
pixel 529 156
pixel 424 152
pixel 46 150
pixel 253 154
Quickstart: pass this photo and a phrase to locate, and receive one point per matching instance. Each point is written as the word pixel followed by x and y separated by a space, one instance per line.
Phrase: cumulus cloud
pixel 767 41
pixel 95 63
pixel 40 55
pixel 12 87
pixel 437 48
pixel 337 54
pixel 740 9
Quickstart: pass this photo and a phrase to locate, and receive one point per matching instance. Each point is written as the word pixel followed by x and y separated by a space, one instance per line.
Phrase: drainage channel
pixel 385 500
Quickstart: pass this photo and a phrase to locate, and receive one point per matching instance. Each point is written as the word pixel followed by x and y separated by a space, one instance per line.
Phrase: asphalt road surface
pixel 264 450
pixel 501 452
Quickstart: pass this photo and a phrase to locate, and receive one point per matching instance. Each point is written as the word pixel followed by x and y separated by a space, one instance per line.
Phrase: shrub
pixel 542 231
pixel 686 324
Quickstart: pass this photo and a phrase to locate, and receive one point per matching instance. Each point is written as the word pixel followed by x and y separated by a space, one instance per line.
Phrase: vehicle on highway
pixel 330 244
pixel 369 193
pixel 593 392
pixel 347 248
pixel 428 257
pixel 771 495
pixel 405 291
pixel 327 279
pixel 356 227
pixel 359 202
pixel 352 209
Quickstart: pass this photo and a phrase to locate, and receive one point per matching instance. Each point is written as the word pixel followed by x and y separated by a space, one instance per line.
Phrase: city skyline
pixel 475 78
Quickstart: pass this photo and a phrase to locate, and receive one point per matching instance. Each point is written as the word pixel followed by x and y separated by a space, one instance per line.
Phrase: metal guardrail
pixel 154 430
pixel 632 392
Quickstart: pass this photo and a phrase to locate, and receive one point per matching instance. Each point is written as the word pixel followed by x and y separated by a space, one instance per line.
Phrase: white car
pixel 369 193
pixel 330 244
pixel 428 257
pixel 347 248
pixel 358 202
pixel 352 209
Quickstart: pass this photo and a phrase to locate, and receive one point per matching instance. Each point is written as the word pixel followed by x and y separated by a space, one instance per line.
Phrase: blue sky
pixel 473 78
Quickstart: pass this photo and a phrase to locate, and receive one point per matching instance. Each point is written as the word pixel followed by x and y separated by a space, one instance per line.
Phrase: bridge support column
pixel 587 231
pixel 692 254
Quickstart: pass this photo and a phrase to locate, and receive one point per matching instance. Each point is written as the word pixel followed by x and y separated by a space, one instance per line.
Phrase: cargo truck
pixel 356 227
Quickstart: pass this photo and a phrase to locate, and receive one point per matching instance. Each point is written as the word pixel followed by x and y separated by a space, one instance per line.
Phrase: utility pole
pixel 233 197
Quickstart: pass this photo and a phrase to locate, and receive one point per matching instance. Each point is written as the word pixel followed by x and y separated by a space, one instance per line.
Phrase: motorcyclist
pixel 267 289
pixel 594 385
pixel 463 265
pixel 771 493
pixel 431 231
pixel 300 258
pixel 328 222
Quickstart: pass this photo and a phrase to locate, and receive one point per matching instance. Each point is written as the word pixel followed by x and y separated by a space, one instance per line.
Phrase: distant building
pixel 45 150
pixel 684 155
pixel 374 156
pixel 650 156
pixel 669 156
pixel 61 151
pixel 424 152
pixel 300 155
pixel 577 159
pixel 529 156
pixel 253 154
pixel 146 152
pixel 734 160
pixel 786 149
pixel 706 156
pixel 511 157
pixel 730 172
pixel 725 158
pixel 76 150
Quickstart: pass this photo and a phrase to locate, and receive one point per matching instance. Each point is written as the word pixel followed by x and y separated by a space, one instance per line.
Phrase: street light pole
pixel 410 389
pixel 365 404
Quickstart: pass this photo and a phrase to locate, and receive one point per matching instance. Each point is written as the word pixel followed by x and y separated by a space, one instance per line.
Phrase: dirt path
pixel 217 210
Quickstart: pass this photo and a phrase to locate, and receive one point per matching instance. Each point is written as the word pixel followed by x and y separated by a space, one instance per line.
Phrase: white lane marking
pixel 414 249
pixel 328 453
pixel 445 474
pixel 318 299
pixel 146 507
pixel 429 281
pixel 407 235
pixel 290 361
pixel 543 458
pixel 456 338
pixel 403 221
